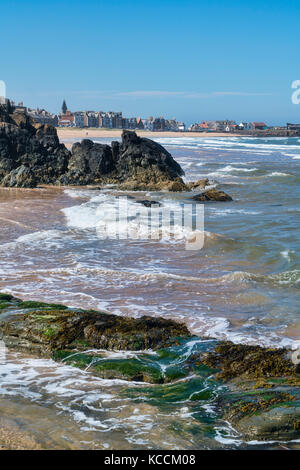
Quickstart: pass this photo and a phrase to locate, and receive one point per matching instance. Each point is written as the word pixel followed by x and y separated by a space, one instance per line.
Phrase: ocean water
pixel 243 285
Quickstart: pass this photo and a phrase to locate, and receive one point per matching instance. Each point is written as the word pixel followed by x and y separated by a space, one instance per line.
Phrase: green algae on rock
pixel 132 368
pixel 47 328
pixel 260 386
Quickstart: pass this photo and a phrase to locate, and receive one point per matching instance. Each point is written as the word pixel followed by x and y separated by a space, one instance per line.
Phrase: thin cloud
pixel 96 94
pixel 186 94
pixel 240 93
pixel 143 93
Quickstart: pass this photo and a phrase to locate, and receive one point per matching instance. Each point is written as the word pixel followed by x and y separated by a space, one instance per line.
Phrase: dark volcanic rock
pixel 137 152
pixel 89 163
pixel 134 164
pixel 31 154
pixel 141 163
pixel 21 177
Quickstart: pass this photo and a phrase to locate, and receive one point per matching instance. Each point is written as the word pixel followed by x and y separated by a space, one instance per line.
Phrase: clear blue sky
pixel 187 59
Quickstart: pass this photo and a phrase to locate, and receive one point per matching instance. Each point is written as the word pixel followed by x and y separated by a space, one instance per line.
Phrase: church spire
pixel 64 107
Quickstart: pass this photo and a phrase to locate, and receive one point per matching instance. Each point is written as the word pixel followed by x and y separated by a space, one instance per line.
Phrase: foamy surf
pixel 112 219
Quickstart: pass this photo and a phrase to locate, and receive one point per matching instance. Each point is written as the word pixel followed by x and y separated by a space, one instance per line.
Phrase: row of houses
pixel 115 120
pixel 226 126
pixel 42 116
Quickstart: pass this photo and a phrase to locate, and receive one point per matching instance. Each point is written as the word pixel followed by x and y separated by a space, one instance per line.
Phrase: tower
pixel 64 107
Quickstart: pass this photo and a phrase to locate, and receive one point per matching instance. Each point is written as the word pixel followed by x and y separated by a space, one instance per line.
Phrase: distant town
pixel 116 120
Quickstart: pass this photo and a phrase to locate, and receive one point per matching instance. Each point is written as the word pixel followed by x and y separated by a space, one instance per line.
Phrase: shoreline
pixel 76 133
pixel 71 133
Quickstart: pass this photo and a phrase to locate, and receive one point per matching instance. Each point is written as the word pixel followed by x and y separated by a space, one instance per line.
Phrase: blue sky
pixel 187 59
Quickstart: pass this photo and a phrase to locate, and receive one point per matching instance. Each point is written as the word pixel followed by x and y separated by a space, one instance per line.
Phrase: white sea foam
pixel 78 193
pixel 287 254
pixel 50 237
pixel 128 220
pixel 225 212
pixel 278 173
pixel 229 168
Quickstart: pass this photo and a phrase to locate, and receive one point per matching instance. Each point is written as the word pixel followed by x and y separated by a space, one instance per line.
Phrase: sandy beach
pixel 12 438
pixel 69 133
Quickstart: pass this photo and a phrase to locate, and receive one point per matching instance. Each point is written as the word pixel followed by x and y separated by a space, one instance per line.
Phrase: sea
pixel 64 245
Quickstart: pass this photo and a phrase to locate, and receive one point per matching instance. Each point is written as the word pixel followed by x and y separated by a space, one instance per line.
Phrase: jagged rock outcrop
pixel 31 154
pixel 89 163
pixel 144 164
pixel 135 164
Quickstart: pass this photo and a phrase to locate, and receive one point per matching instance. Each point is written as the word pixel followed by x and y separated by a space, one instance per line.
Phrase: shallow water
pixel 243 285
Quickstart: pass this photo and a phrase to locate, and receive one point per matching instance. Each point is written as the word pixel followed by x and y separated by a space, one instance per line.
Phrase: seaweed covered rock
pixel 199 184
pixel 237 360
pixel 213 195
pixel 81 338
pixel 44 329
pixel 137 369
pixel 256 389
pixel 269 412
pixel 263 397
